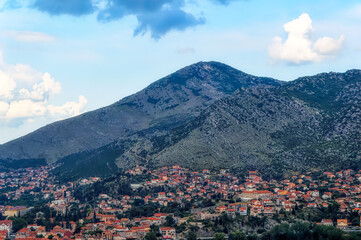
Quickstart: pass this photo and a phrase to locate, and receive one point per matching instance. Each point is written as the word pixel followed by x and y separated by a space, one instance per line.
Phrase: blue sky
pixel 64 57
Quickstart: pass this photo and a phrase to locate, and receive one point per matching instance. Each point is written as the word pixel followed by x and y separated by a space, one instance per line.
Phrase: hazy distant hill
pixel 312 122
pixel 165 104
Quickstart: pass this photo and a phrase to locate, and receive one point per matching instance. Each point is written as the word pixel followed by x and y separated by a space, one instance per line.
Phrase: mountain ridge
pixel 311 122
pixel 166 103
pixel 210 115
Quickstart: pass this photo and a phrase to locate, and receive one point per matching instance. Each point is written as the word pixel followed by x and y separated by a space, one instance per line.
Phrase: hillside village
pixel 174 203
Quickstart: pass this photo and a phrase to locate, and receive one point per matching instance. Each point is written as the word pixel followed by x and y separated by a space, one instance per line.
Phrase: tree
pixel 191 235
pixel 252 237
pixel 155 228
pixel 18 223
pixel 301 230
pixel 280 232
pixel 327 232
pixel 237 235
pixel 68 225
pixel 219 236
pixel 151 236
pixel 170 221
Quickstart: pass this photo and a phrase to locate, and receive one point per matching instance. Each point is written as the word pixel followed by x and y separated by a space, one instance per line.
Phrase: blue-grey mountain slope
pixel 163 105
pixel 312 122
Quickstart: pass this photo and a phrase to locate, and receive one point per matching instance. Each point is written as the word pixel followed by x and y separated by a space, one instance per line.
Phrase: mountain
pixel 208 115
pixel 312 122
pixel 165 104
pixel 309 123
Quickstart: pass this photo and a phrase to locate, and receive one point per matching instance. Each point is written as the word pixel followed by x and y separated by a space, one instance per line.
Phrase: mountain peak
pixel 207 67
pixel 166 103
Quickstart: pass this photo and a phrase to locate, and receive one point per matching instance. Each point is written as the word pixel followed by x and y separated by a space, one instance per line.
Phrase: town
pixel 177 203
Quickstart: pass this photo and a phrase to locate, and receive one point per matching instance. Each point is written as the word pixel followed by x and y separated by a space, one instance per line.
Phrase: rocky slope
pixel 209 115
pixel 309 123
pixel 312 122
pixel 163 105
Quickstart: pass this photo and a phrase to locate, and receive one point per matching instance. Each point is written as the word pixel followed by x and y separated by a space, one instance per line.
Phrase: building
pixel 15 211
pixel 6 225
pixel 242 211
pixel 167 232
pixel 327 222
pixel 342 223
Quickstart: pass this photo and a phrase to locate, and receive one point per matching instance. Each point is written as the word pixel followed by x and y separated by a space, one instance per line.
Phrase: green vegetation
pixel 18 223
pixel 9 164
pixel 191 235
pixel 151 236
pixel 114 186
pixel 237 235
pixel 26 200
pixel 219 236
pixel 305 231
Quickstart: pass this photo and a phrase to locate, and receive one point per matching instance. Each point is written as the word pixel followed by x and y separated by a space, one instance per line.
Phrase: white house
pixel 6 225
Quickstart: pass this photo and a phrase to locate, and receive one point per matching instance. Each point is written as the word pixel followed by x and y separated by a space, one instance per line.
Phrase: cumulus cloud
pixel 25 109
pixel 327 45
pixel 69 108
pixel 4 107
pixel 155 16
pixel 299 47
pixel 7 86
pixel 25 95
pixel 42 90
pixel 21 73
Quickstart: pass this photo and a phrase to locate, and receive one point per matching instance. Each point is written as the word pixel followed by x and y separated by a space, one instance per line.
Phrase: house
pixel 221 209
pixel 231 212
pixel 324 205
pixel 104 196
pixel 327 222
pixel 6 225
pixel 357 204
pixel 342 223
pixel 162 195
pixel 268 211
pixel 15 211
pixel 167 232
pixel 327 195
pixel 203 216
pixel 242 211
pixel 315 193
pixel 3 235
pixel 311 205
pixel 23 233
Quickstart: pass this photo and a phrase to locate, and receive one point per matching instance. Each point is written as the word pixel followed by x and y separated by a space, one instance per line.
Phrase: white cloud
pixel 4 107
pixel 25 94
pixel 23 74
pixel 28 36
pixel 299 46
pixel 7 86
pixel 327 45
pixel 69 108
pixel 42 90
pixel 25 109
